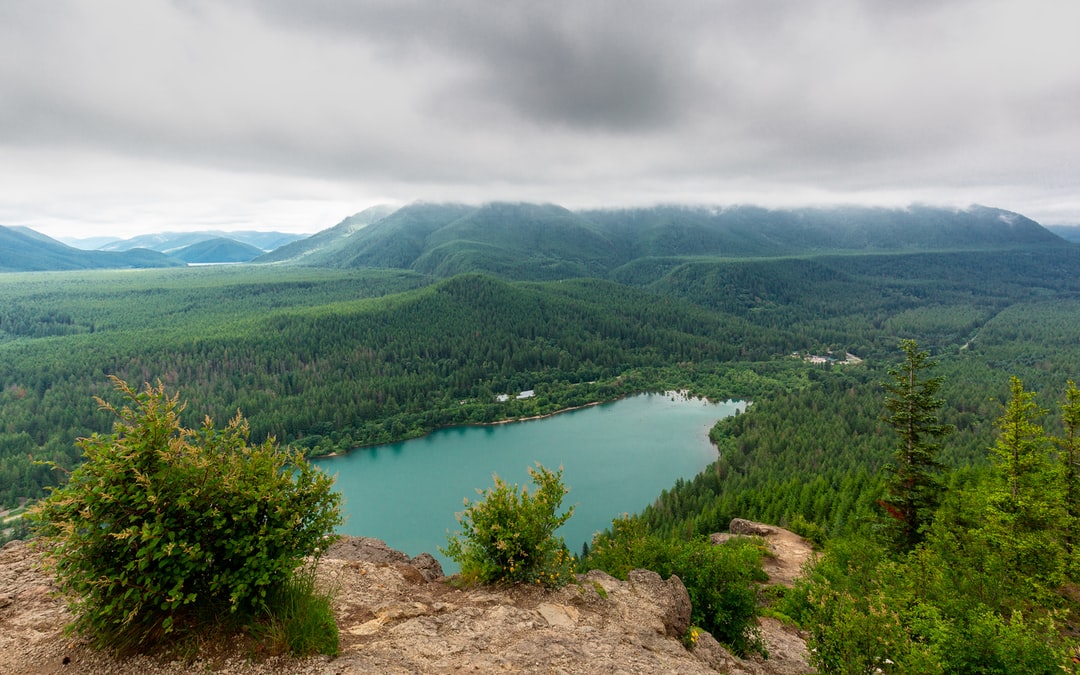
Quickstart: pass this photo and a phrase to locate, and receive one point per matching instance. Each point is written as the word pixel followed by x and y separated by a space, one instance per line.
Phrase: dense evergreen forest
pixel 333 359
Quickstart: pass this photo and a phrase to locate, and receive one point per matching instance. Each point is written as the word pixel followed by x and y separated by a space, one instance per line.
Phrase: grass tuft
pixel 300 617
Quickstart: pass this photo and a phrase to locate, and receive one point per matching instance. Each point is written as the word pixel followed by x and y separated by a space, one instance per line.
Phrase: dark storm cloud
pixel 609 65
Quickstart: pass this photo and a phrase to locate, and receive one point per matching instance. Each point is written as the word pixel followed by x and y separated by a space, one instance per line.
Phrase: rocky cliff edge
pixel 398 615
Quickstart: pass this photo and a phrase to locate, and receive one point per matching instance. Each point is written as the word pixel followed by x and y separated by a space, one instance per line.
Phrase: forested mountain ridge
pixel 750 231
pixel 545 241
pixel 327 239
pixel 22 251
pixel 392 239
pixel 219 250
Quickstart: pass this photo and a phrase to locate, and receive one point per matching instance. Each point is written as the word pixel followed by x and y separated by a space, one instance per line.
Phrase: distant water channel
pixel 617 457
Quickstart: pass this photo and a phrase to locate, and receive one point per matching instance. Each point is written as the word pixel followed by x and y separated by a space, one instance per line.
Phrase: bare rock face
pixel 599 624
pixel 749 528
pixel 670 598
pixel 364 548
pixel 374 550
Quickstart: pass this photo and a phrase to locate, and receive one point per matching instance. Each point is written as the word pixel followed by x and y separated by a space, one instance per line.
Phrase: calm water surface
pixel 617 457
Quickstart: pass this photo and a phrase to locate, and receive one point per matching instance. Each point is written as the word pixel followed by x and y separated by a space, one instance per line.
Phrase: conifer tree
pixel 1026 515
pixel 1020 453
pixel 913 488
pixel 1069 456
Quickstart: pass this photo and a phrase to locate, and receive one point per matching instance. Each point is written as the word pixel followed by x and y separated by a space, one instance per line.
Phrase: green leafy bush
pixel 812 532
pixel 509 535
pixel 866 612
pixel 719 579
pixel 863 635
pixel 165 528
pixel 985 642
pixel 625 546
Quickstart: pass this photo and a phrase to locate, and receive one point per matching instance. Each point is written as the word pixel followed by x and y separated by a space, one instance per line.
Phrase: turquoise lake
pixel 616 458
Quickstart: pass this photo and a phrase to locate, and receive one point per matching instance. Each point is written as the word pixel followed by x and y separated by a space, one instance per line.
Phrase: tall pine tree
pixel 1069 454
pixel 1026 515
pixel 913 488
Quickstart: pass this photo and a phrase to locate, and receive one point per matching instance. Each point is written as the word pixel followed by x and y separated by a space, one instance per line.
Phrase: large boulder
pixel 369 549
pixel 427 565
pixel 364 548
pixel 670 599
pixel 749 528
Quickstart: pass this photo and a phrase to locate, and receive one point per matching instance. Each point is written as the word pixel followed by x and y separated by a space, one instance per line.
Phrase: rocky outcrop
pixel 392 621
pixel 364 548
pixel 787 554
pixel 395 617
pixel 376 551
pixel 750 528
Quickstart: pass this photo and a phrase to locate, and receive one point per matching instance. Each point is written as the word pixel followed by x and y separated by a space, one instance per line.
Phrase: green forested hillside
pixel 394 240
pixel 987 316
pixel 545 242
pixel 522 241
pixel 327 240
pixel 28 251
pixel 334 359
pixel 331 360
pixel 863 303
pixel 218 250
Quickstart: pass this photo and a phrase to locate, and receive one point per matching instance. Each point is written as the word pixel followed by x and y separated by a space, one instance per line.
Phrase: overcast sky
pixel 128 116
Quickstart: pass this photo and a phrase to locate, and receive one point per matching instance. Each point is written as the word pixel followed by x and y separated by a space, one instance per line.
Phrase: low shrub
pixel 719 579
pixel 165 529
pixel 509 535
pixel 812 532
pixel 721 583
pixel 626 546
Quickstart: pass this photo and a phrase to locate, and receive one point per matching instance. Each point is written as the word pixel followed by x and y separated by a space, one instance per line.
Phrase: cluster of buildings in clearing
pixel 528 393
pixel 829 358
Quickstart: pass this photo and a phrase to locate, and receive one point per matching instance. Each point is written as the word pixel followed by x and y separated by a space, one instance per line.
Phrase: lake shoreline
pixel 616 458
pixel 511 420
